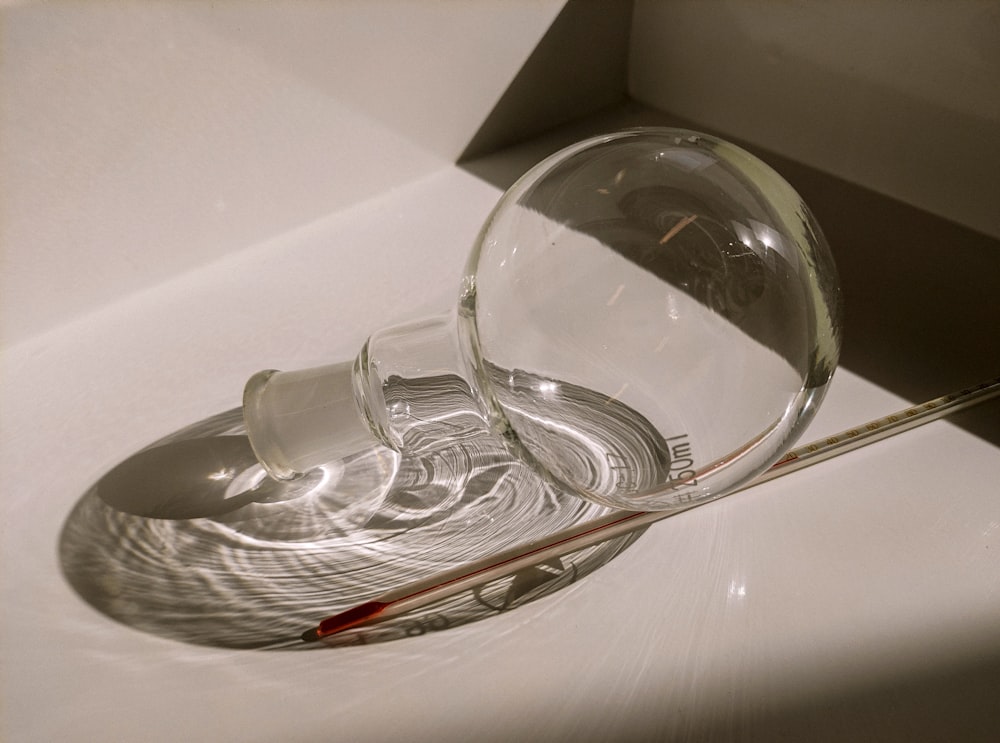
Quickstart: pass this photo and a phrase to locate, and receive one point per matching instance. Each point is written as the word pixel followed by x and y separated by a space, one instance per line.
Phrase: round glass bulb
pixel 655 314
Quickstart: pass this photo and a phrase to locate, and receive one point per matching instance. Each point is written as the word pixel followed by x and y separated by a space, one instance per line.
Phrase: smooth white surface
pixel 140 140
pixel 898 97
pixel 848 579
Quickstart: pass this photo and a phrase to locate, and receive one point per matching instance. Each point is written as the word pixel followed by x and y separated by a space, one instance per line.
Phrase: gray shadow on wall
pixel 579 67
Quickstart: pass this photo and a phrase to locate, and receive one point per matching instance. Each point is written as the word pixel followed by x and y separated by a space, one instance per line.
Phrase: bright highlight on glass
pixel 648 319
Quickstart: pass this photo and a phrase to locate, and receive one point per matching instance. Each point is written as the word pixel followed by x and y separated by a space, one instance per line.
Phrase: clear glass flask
pixel 648 319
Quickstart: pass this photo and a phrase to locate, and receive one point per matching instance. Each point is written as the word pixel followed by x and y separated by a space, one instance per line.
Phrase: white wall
pixel 139 140
pixel 901 97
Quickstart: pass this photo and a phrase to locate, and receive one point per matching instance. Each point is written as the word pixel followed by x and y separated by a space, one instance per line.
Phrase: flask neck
pixel 406 392
pixel 299 420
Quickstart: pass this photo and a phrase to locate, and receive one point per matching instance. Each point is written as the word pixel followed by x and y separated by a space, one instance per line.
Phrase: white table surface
pixel 858 598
